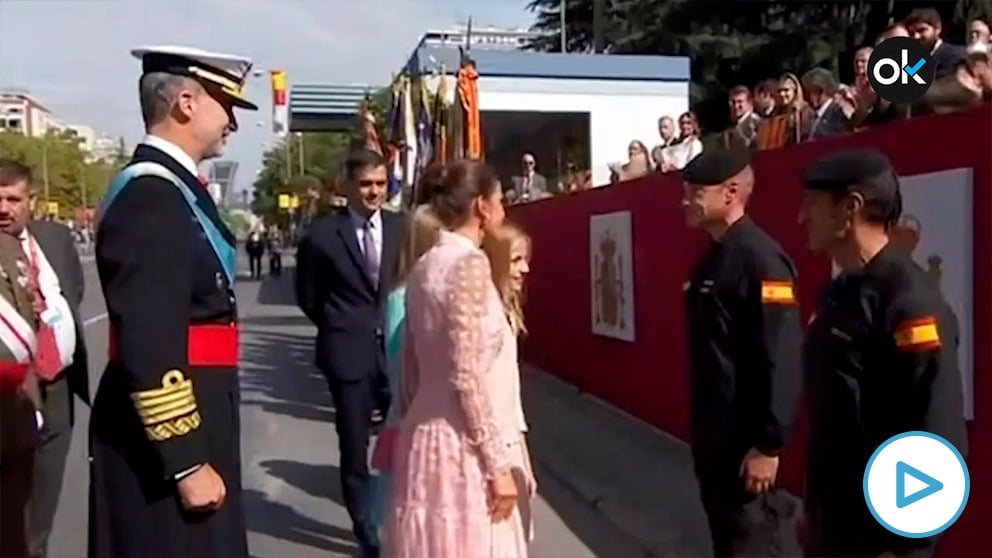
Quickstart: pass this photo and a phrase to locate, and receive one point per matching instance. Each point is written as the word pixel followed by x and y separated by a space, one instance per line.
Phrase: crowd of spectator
pixel 776 113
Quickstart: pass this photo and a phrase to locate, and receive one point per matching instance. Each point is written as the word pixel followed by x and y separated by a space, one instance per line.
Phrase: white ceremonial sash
pixel 58 314
pixel 16 333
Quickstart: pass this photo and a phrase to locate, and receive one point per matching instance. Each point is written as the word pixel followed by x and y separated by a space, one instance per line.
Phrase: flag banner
pixel 370 130
pixel 280 103
pixel 441 120
pixel 409 136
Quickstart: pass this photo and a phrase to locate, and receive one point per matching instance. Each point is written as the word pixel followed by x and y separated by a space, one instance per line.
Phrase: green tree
pixel 63 171
pixel 739 42
pixel 300 162
pixel 235 220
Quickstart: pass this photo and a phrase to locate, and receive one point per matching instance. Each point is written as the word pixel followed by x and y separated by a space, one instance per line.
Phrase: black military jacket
pixel 744 336
pixel 880 359
pixel 160 276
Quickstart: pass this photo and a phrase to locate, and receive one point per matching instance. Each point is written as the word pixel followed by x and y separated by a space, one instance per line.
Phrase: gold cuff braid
pixel 169 411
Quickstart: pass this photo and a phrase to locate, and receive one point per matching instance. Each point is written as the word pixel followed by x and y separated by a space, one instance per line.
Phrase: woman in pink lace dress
pixel 460 460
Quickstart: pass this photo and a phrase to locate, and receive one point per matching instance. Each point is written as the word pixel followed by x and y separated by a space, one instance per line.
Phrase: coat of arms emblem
pixel 608 286
pixel 907 234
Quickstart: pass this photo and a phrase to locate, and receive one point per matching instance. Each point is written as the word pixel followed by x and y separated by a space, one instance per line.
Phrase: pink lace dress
pixel 462 421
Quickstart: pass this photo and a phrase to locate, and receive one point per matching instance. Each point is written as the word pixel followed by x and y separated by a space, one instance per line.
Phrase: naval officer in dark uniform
pixel 880 353
pixel 166 467
pixel 744 335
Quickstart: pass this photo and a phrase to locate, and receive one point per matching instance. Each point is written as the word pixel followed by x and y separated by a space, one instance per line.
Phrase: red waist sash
pixel 12 375
pixel 209 345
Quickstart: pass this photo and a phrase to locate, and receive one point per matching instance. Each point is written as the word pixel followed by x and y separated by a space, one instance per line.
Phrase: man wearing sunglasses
pixel 344 270
pixel 165 454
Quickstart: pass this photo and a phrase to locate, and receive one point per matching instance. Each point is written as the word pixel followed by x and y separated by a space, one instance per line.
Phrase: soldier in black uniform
pixel 744 336
pixel 867 379
pixel 166 467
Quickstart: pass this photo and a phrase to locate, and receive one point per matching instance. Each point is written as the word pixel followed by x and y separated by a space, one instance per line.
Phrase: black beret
pixel 715 166
pixel 838 171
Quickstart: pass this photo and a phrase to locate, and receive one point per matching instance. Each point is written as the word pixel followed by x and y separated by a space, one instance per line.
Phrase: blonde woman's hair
pixel 420 234
pixel 499 247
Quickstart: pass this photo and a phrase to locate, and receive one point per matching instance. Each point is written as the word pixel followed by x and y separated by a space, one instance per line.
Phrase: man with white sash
pixel 18 397
pixel 60 360
pixel 165 432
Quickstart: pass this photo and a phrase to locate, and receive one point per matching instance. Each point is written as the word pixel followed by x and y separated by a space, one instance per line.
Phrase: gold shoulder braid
pixel 169 411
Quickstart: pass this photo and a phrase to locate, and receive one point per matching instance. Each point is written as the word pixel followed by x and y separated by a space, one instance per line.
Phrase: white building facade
pixel 22 113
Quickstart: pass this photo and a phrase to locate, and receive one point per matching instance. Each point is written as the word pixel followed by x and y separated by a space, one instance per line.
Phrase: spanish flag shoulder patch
pixel 777 292
pixel 918 334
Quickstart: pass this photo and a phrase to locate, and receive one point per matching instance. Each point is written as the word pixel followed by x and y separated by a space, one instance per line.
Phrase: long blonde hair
pixel 499 247
pixel 420 234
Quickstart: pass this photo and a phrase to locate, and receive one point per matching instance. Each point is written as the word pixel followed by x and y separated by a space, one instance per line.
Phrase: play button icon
pixel 906 474
pixel 909 469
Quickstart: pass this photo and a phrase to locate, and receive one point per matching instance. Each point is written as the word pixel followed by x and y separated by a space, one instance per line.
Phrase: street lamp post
pixel 44 169
pixel 299 139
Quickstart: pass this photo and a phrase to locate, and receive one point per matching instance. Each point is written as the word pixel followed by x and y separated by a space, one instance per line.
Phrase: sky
pixel 74 55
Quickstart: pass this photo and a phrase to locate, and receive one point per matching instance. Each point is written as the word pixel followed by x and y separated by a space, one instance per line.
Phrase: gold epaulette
pixel 169 411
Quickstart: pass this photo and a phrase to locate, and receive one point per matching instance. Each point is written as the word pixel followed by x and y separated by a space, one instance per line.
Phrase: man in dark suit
pixel 743 131
pixel 165 430
pixel 344 272
pixel 829 119
pixel 925 25
pixel 52 258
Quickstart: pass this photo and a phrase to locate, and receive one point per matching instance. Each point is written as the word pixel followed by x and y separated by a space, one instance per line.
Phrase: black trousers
pixel 275 264
pixel 134 508
pixel 743 524
pixel 49 466
pixel 255 263
pixel 354 402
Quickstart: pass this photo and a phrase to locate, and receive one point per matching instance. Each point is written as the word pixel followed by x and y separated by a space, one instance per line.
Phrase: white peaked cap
pixel 226 71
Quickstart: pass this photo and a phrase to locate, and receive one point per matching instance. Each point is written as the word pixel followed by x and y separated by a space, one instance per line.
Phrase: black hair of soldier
pixel 875 210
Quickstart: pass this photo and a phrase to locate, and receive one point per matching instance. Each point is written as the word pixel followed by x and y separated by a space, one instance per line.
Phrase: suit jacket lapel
pixel 52 254
pixel 350 238
pixel 390 237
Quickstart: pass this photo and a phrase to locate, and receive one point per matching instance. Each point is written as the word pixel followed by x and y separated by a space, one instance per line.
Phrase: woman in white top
pixel 674 157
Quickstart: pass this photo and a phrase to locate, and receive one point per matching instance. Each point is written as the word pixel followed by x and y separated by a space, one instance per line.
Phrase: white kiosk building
pixel 566 109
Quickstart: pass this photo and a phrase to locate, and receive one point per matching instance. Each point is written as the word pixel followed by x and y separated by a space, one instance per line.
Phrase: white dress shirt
pixel 174 151
pixel 375 220
pixel 58 314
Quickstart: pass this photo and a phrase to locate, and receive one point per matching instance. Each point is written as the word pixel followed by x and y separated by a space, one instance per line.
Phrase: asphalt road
pixel 289 448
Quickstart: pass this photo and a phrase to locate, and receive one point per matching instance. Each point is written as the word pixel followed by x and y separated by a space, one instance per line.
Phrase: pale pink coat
pixel 463 421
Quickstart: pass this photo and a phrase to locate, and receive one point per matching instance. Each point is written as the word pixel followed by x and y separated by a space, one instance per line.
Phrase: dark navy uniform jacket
pixel 169 398
pixel 880 359
pixel 744 337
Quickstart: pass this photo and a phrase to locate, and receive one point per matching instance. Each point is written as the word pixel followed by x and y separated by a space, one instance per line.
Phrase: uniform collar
pixel 735 229
pixel 172 150
pixel 883 257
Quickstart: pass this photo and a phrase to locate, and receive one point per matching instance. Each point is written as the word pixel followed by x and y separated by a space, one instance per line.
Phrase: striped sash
pixel 17 337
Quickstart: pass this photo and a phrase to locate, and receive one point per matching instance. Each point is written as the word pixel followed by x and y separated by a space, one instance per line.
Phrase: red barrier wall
pixel 649 378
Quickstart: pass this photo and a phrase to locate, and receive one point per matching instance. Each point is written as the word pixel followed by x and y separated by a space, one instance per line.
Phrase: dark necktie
pixel 371 254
